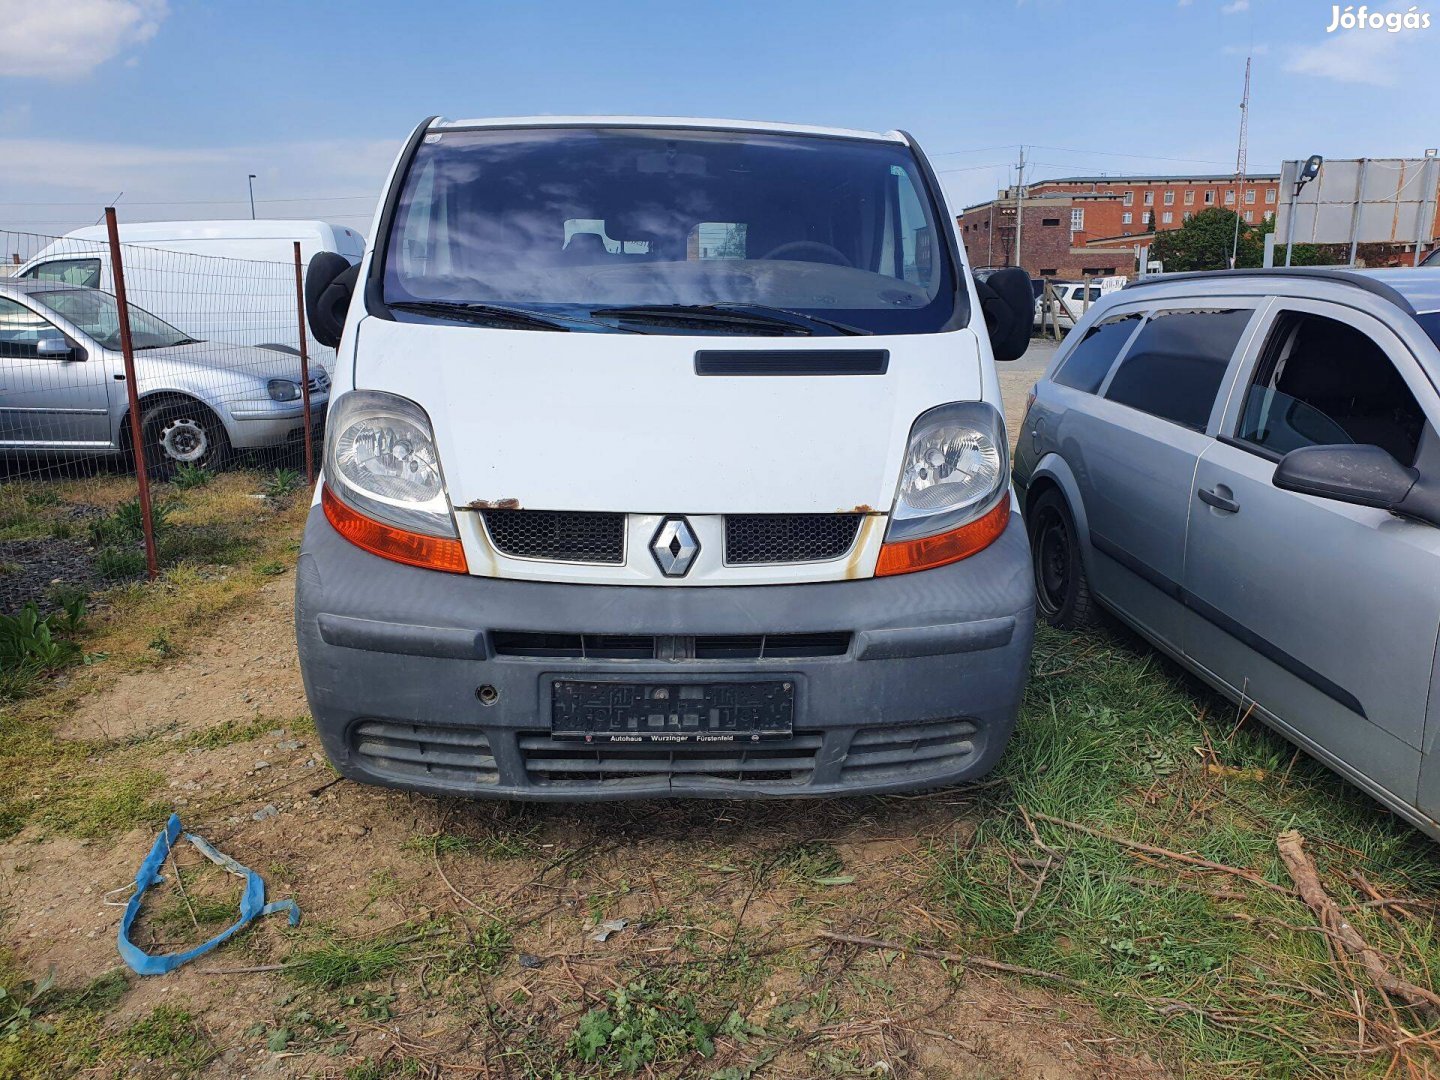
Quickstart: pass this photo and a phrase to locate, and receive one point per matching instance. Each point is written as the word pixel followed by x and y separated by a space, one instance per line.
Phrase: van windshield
pixel 603 229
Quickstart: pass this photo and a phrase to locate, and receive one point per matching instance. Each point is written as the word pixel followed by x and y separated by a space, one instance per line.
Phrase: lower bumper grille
pixel 459 756
pixel 880 752
pixel 558 762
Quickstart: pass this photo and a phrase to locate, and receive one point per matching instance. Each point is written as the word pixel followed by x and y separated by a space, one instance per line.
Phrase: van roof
pixel 699 123
pixel 217 229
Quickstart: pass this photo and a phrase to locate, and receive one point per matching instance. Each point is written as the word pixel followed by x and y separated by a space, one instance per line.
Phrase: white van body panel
pixel 245 296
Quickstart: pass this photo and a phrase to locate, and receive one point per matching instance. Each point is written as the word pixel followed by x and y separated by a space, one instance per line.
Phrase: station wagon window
pixel 1175 367
pixel 21 330
pixel 1089 362
pixel 1321 381
pixel 84 272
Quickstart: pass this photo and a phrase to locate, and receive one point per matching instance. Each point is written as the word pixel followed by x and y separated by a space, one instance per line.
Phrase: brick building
pixel 1079 225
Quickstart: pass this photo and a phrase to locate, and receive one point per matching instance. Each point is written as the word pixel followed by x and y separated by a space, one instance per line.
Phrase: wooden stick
pixel 1150 849
pixel 954 958
pixel 1303 872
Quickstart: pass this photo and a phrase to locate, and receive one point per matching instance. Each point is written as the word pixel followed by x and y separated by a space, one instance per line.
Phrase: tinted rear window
pixel 1177 363
pixel 1430 321
pixel 1085 368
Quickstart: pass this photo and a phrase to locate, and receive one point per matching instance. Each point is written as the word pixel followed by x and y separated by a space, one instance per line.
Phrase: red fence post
pixel 304 369
pixel 132 394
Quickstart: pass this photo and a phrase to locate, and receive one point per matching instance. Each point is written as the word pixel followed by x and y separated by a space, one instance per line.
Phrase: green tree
pixel 1205 241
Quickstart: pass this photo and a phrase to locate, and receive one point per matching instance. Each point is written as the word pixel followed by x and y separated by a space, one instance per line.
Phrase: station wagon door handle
pixel 1219 498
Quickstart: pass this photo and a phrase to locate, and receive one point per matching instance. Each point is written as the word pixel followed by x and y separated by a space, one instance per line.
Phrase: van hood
pixel 621 422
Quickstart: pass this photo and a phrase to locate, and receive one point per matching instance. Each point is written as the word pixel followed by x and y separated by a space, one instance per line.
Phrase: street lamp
pixel 1304 175
pixel 250 182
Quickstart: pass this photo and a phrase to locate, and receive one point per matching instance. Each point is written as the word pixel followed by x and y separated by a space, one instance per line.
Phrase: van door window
pixel 1177 363
pixel 1321 381
pixel 84 272
pixel 1088 364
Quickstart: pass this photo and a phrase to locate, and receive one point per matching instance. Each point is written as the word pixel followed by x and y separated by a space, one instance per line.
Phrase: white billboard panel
pixel 1361 201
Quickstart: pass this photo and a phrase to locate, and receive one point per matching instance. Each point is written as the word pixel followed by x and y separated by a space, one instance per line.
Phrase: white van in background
pixel 228 282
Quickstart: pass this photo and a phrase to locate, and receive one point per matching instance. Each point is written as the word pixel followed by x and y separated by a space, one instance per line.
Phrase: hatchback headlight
pixel 283 390
pixel 956 463
pixel 380 457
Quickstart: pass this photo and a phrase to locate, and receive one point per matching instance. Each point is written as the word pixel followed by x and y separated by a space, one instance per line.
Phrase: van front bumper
pixel 923 693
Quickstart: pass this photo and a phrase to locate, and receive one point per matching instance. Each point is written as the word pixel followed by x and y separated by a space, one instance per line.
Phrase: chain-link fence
pixel 130 373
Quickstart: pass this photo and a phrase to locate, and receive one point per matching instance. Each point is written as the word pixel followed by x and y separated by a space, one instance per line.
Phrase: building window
pixel 1126 218
pixel 1269 215
pixel 1129 198
pixel 1250 195
pixel 1050 221
pixel 1189 196
pixel 1209 198
pixel 1186 216
pixel 1270 194
pixel 1048 271
pixel 1149 198
pixel 1249 215
pixel 1230 197
pixel 1167 217
pixel 1077 220
pixel 1169 198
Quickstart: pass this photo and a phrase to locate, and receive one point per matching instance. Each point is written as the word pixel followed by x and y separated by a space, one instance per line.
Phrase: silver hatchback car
pixel 1244 466
pixel 62 389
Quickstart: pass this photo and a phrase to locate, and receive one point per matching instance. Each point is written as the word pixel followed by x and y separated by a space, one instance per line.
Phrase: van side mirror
pixel 329 284
pixel 1008 303
pixel 1358 474
pixel 55 347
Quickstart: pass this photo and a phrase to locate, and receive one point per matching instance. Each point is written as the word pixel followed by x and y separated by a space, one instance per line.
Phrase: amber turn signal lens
pixel 414 549
pixel 907 556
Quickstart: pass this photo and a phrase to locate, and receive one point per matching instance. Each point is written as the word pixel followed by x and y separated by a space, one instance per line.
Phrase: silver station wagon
pixel 1244 466
pixel 63 394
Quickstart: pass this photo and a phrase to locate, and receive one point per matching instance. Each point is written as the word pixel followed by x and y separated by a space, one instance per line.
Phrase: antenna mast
pixel 1241 151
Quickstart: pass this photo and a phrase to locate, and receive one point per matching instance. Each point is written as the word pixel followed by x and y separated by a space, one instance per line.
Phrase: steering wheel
pixel 807 250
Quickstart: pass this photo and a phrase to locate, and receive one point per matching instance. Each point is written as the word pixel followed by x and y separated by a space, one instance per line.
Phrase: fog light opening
pixel 487 694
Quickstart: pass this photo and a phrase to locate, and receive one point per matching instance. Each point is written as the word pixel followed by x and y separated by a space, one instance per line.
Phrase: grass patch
pixel 642 1024
pixel 1118 740
pixel 344 963
pixel 97 806
pixel 169 1035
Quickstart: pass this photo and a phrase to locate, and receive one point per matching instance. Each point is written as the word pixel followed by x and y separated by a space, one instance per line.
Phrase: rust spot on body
pixel 863 508
pixel 493 504
pixel 868 525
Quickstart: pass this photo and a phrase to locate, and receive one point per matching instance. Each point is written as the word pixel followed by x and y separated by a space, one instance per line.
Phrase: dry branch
pixel 1307 879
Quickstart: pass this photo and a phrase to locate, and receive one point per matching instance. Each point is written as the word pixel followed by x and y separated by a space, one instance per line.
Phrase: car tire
pixel 180 431
pixel 1062 591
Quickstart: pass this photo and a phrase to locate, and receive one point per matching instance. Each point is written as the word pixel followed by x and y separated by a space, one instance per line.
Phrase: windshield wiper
pixel 522 318
pixel 730 313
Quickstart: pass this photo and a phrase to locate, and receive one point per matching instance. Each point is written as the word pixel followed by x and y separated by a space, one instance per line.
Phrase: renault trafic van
pixel 664 458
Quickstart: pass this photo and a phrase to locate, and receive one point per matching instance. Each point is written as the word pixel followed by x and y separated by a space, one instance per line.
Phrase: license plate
pixel 663 712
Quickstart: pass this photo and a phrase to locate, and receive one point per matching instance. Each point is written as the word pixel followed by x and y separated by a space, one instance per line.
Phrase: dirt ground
pixel 355 859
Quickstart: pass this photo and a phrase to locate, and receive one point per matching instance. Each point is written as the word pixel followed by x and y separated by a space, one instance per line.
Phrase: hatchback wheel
pixel 180 433
pixel 1062 592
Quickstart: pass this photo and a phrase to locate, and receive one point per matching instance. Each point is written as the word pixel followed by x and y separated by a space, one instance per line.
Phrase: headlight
pixel 955 465
pixel 380 457
pixel 283 390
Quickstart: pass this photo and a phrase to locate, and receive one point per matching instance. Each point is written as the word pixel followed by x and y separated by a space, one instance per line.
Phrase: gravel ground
pixel 29 567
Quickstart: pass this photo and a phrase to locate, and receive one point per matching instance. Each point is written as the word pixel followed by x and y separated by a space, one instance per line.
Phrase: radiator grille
pixel 460 757
pixel 668 647
pixel 788 538
pixel 557 762
pixel 559 535
pixel 931 746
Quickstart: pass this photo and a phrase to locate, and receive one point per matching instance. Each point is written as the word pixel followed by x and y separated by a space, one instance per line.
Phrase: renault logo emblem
pixel 675 547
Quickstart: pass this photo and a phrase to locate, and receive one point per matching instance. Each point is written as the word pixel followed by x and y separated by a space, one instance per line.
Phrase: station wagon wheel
pixel 1062 591
pixel 180 432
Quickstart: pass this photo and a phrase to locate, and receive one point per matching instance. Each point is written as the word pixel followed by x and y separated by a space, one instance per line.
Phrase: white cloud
pixel 1357 57
pixel 68 39
pixel 1235 7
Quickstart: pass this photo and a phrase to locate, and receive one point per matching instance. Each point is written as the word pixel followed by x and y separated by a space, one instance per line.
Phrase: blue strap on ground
pixel 252 902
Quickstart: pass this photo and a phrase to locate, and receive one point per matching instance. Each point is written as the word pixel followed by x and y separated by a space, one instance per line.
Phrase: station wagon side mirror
pixel 56 347
pixel 329 284
pixel 1008 303
pixel 1358 474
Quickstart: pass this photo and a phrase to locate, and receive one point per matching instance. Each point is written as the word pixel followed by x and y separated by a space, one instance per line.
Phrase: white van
pixel 229 282
pixel 665 457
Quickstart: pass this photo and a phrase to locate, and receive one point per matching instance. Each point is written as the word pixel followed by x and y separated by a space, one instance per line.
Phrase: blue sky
pixel 173 102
